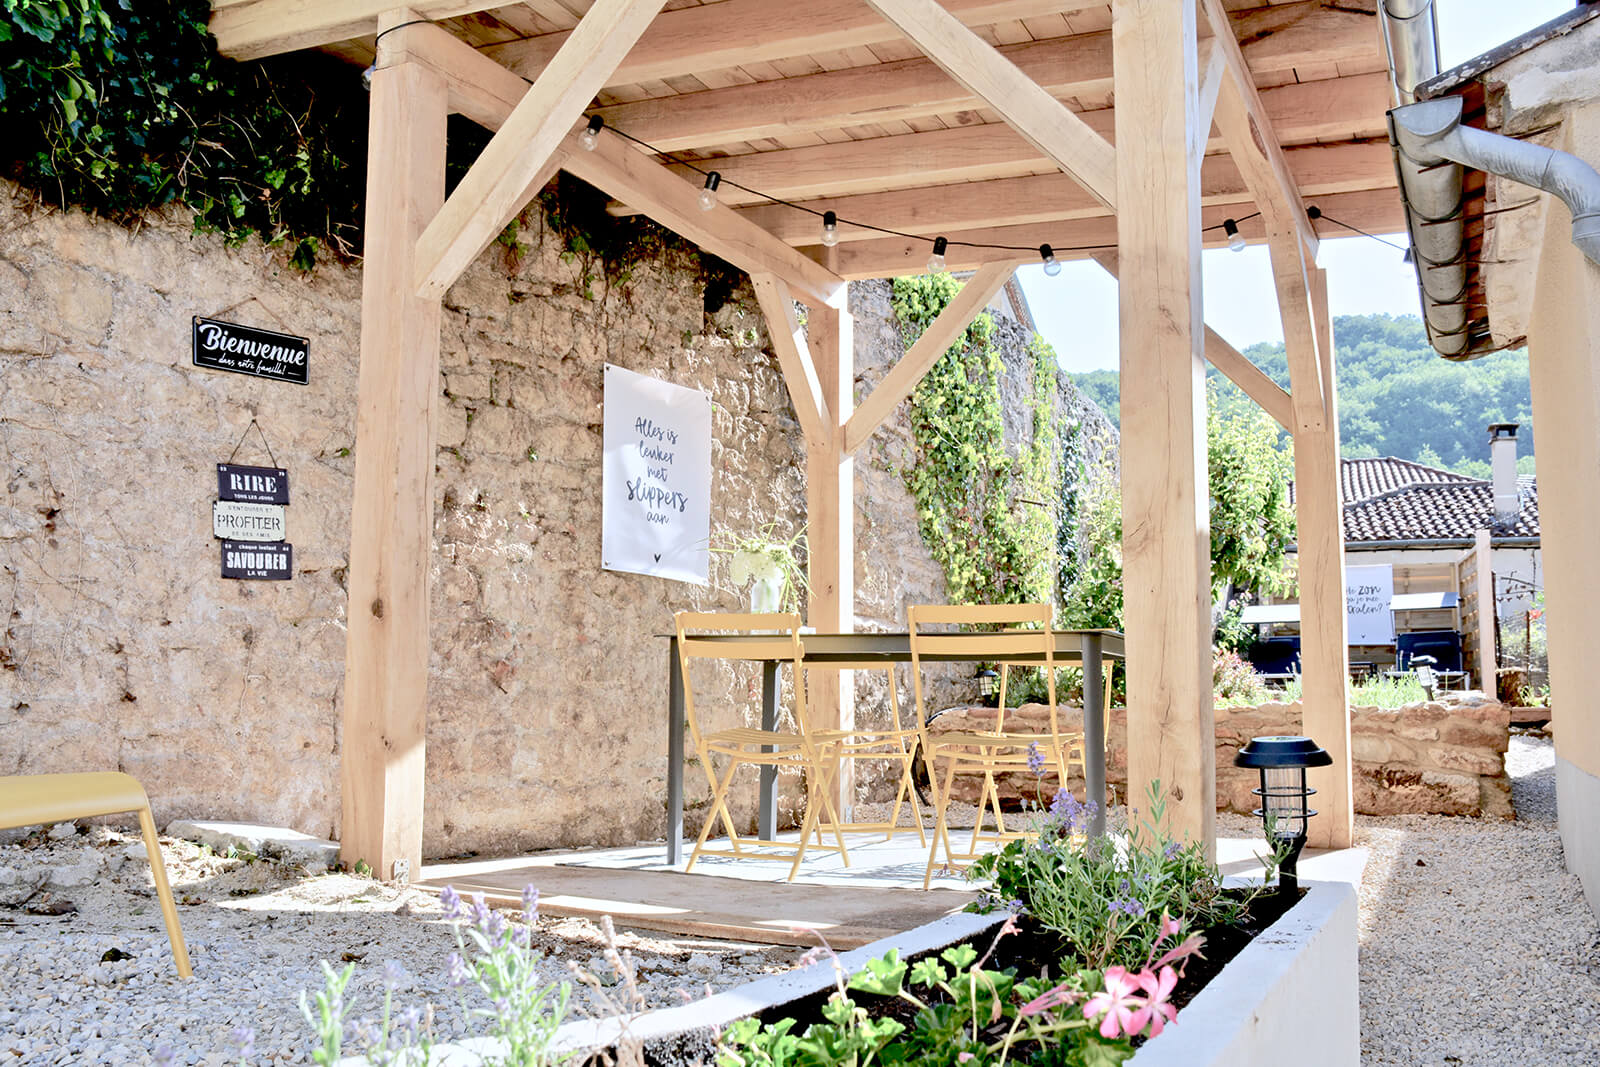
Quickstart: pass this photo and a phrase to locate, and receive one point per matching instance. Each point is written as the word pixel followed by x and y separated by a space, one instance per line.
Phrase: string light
pixel 936 261
pixel 590 137
pixel 1052 266
pixel 1235 238
pixel 708 195
pixel 830 228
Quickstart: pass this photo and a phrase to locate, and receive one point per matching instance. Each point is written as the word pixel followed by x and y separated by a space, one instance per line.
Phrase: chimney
pixel 1503 462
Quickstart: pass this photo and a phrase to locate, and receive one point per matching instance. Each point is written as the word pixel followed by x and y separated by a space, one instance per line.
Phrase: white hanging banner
pixel 656 485
pixel 1368 614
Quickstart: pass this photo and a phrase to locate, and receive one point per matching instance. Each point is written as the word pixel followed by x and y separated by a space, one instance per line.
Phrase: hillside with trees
pixel 1396 396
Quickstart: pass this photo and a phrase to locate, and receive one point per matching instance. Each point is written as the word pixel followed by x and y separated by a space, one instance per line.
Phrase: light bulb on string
pixel 708 195
pixel 830 228
pixel 1052 265
pixel 591 135
pixel 1235 238
pixel 936 261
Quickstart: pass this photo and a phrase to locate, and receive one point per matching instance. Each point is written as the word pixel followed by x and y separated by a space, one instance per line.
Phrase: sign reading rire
pixel 238 521
pixel 262 562
pixel 252 485
pixel 246 350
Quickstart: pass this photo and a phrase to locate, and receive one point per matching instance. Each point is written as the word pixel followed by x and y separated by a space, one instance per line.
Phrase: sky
pixel 1076 311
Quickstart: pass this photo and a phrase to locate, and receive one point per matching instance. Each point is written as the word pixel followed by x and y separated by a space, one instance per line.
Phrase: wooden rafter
pixel 269 27
pixel 1037 198
pixel 911 368
pixel 794 357
pixel 496 187
pixel 1041 120
pixel 737 32
pixel 1066 67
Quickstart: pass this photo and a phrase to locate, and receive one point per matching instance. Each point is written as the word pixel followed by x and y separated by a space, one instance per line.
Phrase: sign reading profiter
pixel 263 562
pixel 247 350
pixel 252 485
pixel 239 521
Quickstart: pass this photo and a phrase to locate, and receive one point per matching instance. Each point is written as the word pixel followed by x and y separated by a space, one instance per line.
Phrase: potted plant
pixel 769 561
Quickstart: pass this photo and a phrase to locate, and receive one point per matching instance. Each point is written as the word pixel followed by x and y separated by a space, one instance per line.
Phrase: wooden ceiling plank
pixel 488 194
pixel 736 32
pixel 1066 67
pixel 911 368
pixel 1042 120
pixel 270 27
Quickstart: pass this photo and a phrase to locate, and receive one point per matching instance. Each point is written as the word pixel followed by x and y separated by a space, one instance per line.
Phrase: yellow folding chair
pixel 985 752
pixel 762 637
pixel 898 744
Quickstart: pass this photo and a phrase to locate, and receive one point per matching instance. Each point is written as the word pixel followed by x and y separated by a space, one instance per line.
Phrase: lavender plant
pixel 1111 899
pixel 524 1010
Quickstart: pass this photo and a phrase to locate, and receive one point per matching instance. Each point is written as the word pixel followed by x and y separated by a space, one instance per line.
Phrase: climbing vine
pixel 987 517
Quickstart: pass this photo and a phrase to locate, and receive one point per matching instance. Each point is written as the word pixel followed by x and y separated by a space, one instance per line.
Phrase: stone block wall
pixel 1433 758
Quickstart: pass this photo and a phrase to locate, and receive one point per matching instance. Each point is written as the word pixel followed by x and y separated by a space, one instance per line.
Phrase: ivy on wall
pixel 987 517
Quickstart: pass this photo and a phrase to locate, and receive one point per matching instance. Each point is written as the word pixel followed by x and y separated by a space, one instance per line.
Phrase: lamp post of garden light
pixel 1282 762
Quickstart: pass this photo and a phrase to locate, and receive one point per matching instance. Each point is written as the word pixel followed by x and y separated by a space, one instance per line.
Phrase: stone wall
pixel 1434 758
pixel 122 648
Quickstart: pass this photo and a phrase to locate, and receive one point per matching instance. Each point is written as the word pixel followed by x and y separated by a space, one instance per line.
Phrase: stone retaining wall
pixel 1433 758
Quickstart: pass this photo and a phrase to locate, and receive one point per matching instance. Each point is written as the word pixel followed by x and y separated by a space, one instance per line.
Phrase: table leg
pixel 767 826
pixel 1094 734
pixel 676 725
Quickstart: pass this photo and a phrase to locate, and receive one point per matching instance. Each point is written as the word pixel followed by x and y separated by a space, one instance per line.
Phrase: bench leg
pixel 169 910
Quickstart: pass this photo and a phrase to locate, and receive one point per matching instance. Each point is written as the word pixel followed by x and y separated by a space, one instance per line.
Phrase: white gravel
pixel 256 934
pixel 1484 953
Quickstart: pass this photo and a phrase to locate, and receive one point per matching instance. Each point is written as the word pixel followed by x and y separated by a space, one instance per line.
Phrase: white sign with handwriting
pixel 1368 615
pixel 656 485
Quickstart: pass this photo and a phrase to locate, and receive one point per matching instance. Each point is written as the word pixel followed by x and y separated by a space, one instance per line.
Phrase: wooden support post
pixel 1488 613
pixel 1324 656
pixel 391 524
pixel 1166 539
pixel 830 526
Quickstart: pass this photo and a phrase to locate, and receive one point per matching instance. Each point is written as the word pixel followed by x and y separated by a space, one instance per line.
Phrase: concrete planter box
pixel 1291 996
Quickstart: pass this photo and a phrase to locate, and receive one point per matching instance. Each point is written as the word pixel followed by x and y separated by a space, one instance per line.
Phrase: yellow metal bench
pixel 31 799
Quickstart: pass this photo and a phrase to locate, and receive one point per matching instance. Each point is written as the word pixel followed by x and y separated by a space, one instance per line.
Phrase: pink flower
pixel 1191 945
pixel 1117 1003
pixel 1157 1010
pixel 1050 998
pixel 1169 926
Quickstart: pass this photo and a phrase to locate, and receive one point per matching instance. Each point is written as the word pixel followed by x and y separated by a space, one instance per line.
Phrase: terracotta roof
pixel 1446 510
pixel 1362 479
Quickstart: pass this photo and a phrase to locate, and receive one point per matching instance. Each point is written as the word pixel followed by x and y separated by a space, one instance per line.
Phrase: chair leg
pixel 907 790
pixel 807 824
pixel 833 815
pixel 941 831
pixel 718 807
pixel 169 909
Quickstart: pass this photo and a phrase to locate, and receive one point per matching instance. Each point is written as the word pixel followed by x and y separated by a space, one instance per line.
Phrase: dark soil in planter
pixel 1033 950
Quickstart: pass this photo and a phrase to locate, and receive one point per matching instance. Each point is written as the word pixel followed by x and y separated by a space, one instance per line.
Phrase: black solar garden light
pixel 1284 794
pixel 988 680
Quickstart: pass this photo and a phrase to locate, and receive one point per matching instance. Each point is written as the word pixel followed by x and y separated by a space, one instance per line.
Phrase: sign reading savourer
pixel 247 350
pixel 263 562
pixel 656 513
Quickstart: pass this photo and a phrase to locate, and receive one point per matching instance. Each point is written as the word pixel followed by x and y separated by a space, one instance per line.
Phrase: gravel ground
pixel 1476 946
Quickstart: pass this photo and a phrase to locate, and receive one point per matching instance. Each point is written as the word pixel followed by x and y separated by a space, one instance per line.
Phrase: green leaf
pixel 883 977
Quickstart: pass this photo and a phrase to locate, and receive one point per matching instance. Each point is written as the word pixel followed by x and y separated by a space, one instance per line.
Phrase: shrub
pixel 1234 682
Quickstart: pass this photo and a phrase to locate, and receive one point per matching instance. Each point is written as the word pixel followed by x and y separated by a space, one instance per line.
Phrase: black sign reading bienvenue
pixel 272 562
pixel 247 350
pixel 253 485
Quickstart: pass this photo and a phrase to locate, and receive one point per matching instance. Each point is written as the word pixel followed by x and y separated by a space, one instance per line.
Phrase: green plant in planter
pixel 767 558
pixel 1112 900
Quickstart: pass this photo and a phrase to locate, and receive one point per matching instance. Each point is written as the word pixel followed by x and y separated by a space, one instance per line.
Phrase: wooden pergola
pixel 985 121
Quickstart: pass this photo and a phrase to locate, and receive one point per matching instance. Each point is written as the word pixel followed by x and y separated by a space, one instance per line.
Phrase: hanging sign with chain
pixel 247 350
pixel 249 518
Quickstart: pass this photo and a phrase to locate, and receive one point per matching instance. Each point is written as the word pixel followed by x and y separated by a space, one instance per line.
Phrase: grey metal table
pixel 866 651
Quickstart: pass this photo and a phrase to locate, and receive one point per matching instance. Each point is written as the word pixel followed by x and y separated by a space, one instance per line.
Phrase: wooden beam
pixel 1377 211
pixel 1039 198
pixel 1247 127
pixel 487 197
pixel 901 380
pixel 738 32
pixel 1291 270
pixel 1166 536
pixel 1066 67
pixel 1213 68
pixel 391 523
pixel 1268 394
pixel 830 527
pixel 480 90
pixel 794 357
pixel 1041 120
pixel 994 150
pixel 1325 712
pixel 493 92
pixel 269 27
pixel 619 170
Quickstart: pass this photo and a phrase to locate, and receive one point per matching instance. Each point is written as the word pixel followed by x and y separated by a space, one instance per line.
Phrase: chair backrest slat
pixel 761 636
pixel 1028 636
